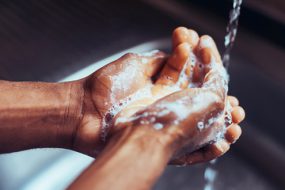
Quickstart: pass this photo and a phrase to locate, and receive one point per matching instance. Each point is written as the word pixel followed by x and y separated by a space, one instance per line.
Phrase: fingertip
pixel 207 41
pixel 233 133
pixel 182 34
pixel 219 148
pixel 223 146
pixel 179 35
pixel 193 38
pixel 233 101
pixel 238 114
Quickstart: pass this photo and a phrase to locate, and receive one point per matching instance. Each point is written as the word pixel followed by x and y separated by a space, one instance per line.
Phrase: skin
pixel 102 81
pixel 137 153
pixel 70 115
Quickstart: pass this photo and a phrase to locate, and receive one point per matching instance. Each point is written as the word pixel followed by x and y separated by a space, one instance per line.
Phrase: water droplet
pixel 200 125
pixel 158 126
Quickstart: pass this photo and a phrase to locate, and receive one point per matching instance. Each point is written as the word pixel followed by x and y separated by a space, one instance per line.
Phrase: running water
pixel 231 31
pixel 210 174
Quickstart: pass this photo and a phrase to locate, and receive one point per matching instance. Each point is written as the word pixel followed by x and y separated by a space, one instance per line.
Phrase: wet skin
pixel 112 84
pixel 74 115
pixel 137 152
pixel 70 115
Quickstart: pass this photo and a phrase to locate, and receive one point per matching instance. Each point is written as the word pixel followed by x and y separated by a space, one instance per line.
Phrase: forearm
pixel 35 114
pixel 133 160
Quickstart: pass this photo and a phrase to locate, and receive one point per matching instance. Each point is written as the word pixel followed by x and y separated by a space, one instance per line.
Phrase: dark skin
pixel 70 115
pixel 100 83
pixel 137 153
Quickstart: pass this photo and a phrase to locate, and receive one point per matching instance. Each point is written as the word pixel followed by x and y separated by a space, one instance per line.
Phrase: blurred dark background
pixel 47 40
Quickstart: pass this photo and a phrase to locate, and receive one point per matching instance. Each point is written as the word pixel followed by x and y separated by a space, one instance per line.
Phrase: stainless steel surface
pixel 70 40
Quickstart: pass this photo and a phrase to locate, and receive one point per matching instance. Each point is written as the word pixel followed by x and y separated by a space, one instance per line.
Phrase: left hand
pixel 107 88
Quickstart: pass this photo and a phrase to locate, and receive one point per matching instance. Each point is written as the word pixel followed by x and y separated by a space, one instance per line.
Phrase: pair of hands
pixel 168 95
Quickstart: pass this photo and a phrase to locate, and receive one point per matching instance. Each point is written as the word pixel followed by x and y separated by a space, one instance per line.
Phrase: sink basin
pixel 56 168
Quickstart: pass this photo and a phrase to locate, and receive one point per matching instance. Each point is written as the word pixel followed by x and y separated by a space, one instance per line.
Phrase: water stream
pixel 210 173
pixel 231 31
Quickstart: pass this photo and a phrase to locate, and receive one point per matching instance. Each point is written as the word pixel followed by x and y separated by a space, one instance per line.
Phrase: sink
pixel 64 40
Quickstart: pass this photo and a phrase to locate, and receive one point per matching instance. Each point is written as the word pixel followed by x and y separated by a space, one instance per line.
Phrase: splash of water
pixel 231 31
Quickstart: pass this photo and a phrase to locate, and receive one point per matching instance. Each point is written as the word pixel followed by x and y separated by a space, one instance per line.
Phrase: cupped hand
pixel 108 88
pixel 194 113
pixel 137 82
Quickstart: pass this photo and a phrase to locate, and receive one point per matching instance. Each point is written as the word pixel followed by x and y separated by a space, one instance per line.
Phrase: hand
pixel 107 88
pixel 113 87
pixel 212 151
pixel 179 110
pixel 208 74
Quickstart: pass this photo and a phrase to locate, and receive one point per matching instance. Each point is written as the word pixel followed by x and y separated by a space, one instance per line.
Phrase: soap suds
pixel 179 108
pixel 158 126
pixel 149 53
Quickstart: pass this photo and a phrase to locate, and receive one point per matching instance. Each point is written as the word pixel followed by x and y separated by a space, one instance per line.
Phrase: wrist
pixel 73 112
pixel 146 138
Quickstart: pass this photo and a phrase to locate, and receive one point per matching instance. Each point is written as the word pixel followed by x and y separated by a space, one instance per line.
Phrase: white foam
pixel 149 53
pixel 158 126
pixel 200 125
pixel 179 108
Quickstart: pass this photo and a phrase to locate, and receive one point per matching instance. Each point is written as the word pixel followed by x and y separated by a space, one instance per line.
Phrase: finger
pixel 174 66
pixel 233 101
pixel 209 70
pixel 238 114
pixel 208 153
pixel 208 42
pixel 182 34
pixel 201 68
pixel 207 53
pixel 153 62
pixel 233 133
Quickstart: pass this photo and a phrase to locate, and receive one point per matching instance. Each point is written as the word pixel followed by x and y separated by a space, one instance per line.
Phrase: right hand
pixel 179 115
